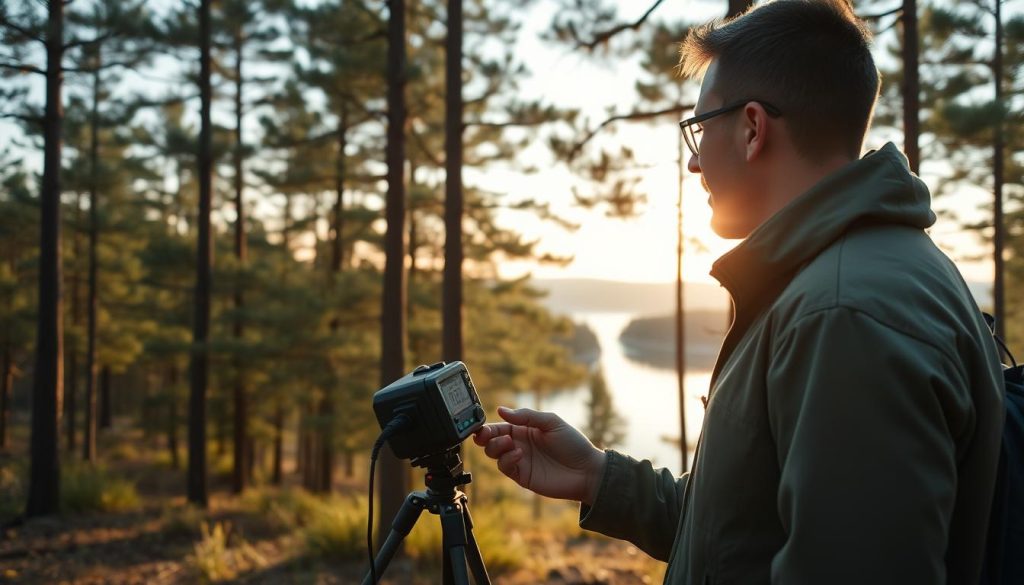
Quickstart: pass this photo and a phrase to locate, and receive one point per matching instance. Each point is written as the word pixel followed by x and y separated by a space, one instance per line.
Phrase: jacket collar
pixel 878 188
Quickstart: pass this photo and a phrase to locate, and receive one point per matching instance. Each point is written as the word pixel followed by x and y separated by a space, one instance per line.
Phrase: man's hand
pixel 542 453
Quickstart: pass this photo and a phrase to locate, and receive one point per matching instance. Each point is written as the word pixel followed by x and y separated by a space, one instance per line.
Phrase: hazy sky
pixel 643 249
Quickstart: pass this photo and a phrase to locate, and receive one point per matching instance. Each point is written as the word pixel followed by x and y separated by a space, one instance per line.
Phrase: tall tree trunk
pixel 394 479
pixel 451 304
pixel 239 475
pixel 172 417
pixel 338 241
pixel 197 480
pixel 413 240
pixel 911 86
pixel 6 381
pixel 277 465
pixel 681 314
pixel 71 380
pixel 350 464
pixel 106 409
pixel 325 475
pixel 48 384
pixel 998 172
pixel 91 367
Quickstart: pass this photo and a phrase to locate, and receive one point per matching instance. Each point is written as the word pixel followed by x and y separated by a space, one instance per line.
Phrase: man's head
pixel 804 73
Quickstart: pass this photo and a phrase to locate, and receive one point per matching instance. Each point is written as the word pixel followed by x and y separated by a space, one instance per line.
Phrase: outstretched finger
pixel 545 421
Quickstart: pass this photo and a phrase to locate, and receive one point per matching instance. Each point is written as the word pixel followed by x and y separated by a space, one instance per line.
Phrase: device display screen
pixel 456 395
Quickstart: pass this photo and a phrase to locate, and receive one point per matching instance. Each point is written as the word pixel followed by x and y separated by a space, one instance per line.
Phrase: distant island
pixel 651 340
pixel 583 344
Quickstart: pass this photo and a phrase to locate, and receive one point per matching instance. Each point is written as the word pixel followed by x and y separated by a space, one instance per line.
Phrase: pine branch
pixel 22 117
pixel 882 15
pixel 21 30
pixel 423 148
pixel 93 41
pixel 104 67
pixel 635 115
pixel 510 124
pixel 603 36
pixel 22 68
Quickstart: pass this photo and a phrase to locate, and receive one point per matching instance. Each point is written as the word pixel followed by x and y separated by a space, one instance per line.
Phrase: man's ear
pixel 755 129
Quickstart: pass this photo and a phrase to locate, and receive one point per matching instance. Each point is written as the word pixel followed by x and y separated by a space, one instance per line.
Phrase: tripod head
pixel 444 471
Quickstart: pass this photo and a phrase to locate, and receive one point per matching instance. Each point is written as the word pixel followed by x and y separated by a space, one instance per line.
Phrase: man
pixel 854 416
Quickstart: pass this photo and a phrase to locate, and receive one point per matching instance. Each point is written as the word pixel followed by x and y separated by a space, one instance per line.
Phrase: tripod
pixel 444 476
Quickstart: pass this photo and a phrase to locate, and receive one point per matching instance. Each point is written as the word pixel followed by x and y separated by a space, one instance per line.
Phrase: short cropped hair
pixel 809 58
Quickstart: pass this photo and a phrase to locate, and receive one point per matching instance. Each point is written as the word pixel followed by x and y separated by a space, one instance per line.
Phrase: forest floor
pixel 265 537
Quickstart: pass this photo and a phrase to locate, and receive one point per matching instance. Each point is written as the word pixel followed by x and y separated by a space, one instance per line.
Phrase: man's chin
pixel 728 230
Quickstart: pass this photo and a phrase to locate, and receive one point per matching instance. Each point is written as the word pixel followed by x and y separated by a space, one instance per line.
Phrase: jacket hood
pixel 878 188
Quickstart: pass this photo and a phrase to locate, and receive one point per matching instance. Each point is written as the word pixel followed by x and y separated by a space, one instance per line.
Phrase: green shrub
pixel 182 520
pixel 12 493
pixel 338 531
pixel 87 488
pixel 124 451
pixel 209 558
pixel 500 541
pixel 288 509
pixel 213 559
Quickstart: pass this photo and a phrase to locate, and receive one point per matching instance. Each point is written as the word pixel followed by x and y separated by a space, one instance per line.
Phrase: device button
pixel 423 368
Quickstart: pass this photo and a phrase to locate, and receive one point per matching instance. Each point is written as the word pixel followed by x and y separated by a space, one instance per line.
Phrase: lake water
pixel 645 396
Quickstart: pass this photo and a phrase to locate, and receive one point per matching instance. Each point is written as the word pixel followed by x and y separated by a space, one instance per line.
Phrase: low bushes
pixel 88 488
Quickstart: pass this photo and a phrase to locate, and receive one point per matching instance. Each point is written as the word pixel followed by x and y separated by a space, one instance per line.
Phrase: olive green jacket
pixel 854 417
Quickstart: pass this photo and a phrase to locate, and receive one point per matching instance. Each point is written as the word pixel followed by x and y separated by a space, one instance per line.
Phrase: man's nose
pixel 693 165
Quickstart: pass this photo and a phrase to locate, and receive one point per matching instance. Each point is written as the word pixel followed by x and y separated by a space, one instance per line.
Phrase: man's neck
pixel 799 176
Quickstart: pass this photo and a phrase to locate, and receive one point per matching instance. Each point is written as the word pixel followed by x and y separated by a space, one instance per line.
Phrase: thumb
pixel 545 421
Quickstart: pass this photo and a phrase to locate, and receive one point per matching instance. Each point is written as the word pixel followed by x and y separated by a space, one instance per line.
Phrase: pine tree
pixel 19 213
pixel 965 47
pixel 605 427
pixel 394 479
pixel 198 375
pixel 23 34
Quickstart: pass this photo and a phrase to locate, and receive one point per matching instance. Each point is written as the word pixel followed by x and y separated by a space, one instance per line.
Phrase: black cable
pixel 396 424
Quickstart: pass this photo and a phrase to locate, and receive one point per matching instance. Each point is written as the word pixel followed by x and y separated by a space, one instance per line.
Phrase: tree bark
pixel 350 464
pixel 394 480
pixel 451 306
pixel 71 380
pixel 338 242
pixel 239 475
pixel 998 173
pixel 106 412
pixel 681 314
pixel 91 367
pixel 48 384
pixel 6 381
pixel 325 476
pixel 197 475
pixel 172 417
pixel 276 472
pixel 911 87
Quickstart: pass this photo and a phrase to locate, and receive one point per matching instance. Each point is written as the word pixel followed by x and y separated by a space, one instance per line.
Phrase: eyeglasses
pixel 693 127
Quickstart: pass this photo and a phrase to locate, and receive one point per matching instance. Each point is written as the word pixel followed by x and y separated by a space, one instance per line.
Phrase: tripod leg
pixel 476 561
pixel 406 518
pixel 453 536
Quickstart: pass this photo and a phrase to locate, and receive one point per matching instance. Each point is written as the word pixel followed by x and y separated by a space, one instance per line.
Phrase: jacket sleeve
pixel 865 419
pixel 637 503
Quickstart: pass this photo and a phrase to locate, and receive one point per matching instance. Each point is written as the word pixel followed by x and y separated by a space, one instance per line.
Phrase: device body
pixel 442 404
